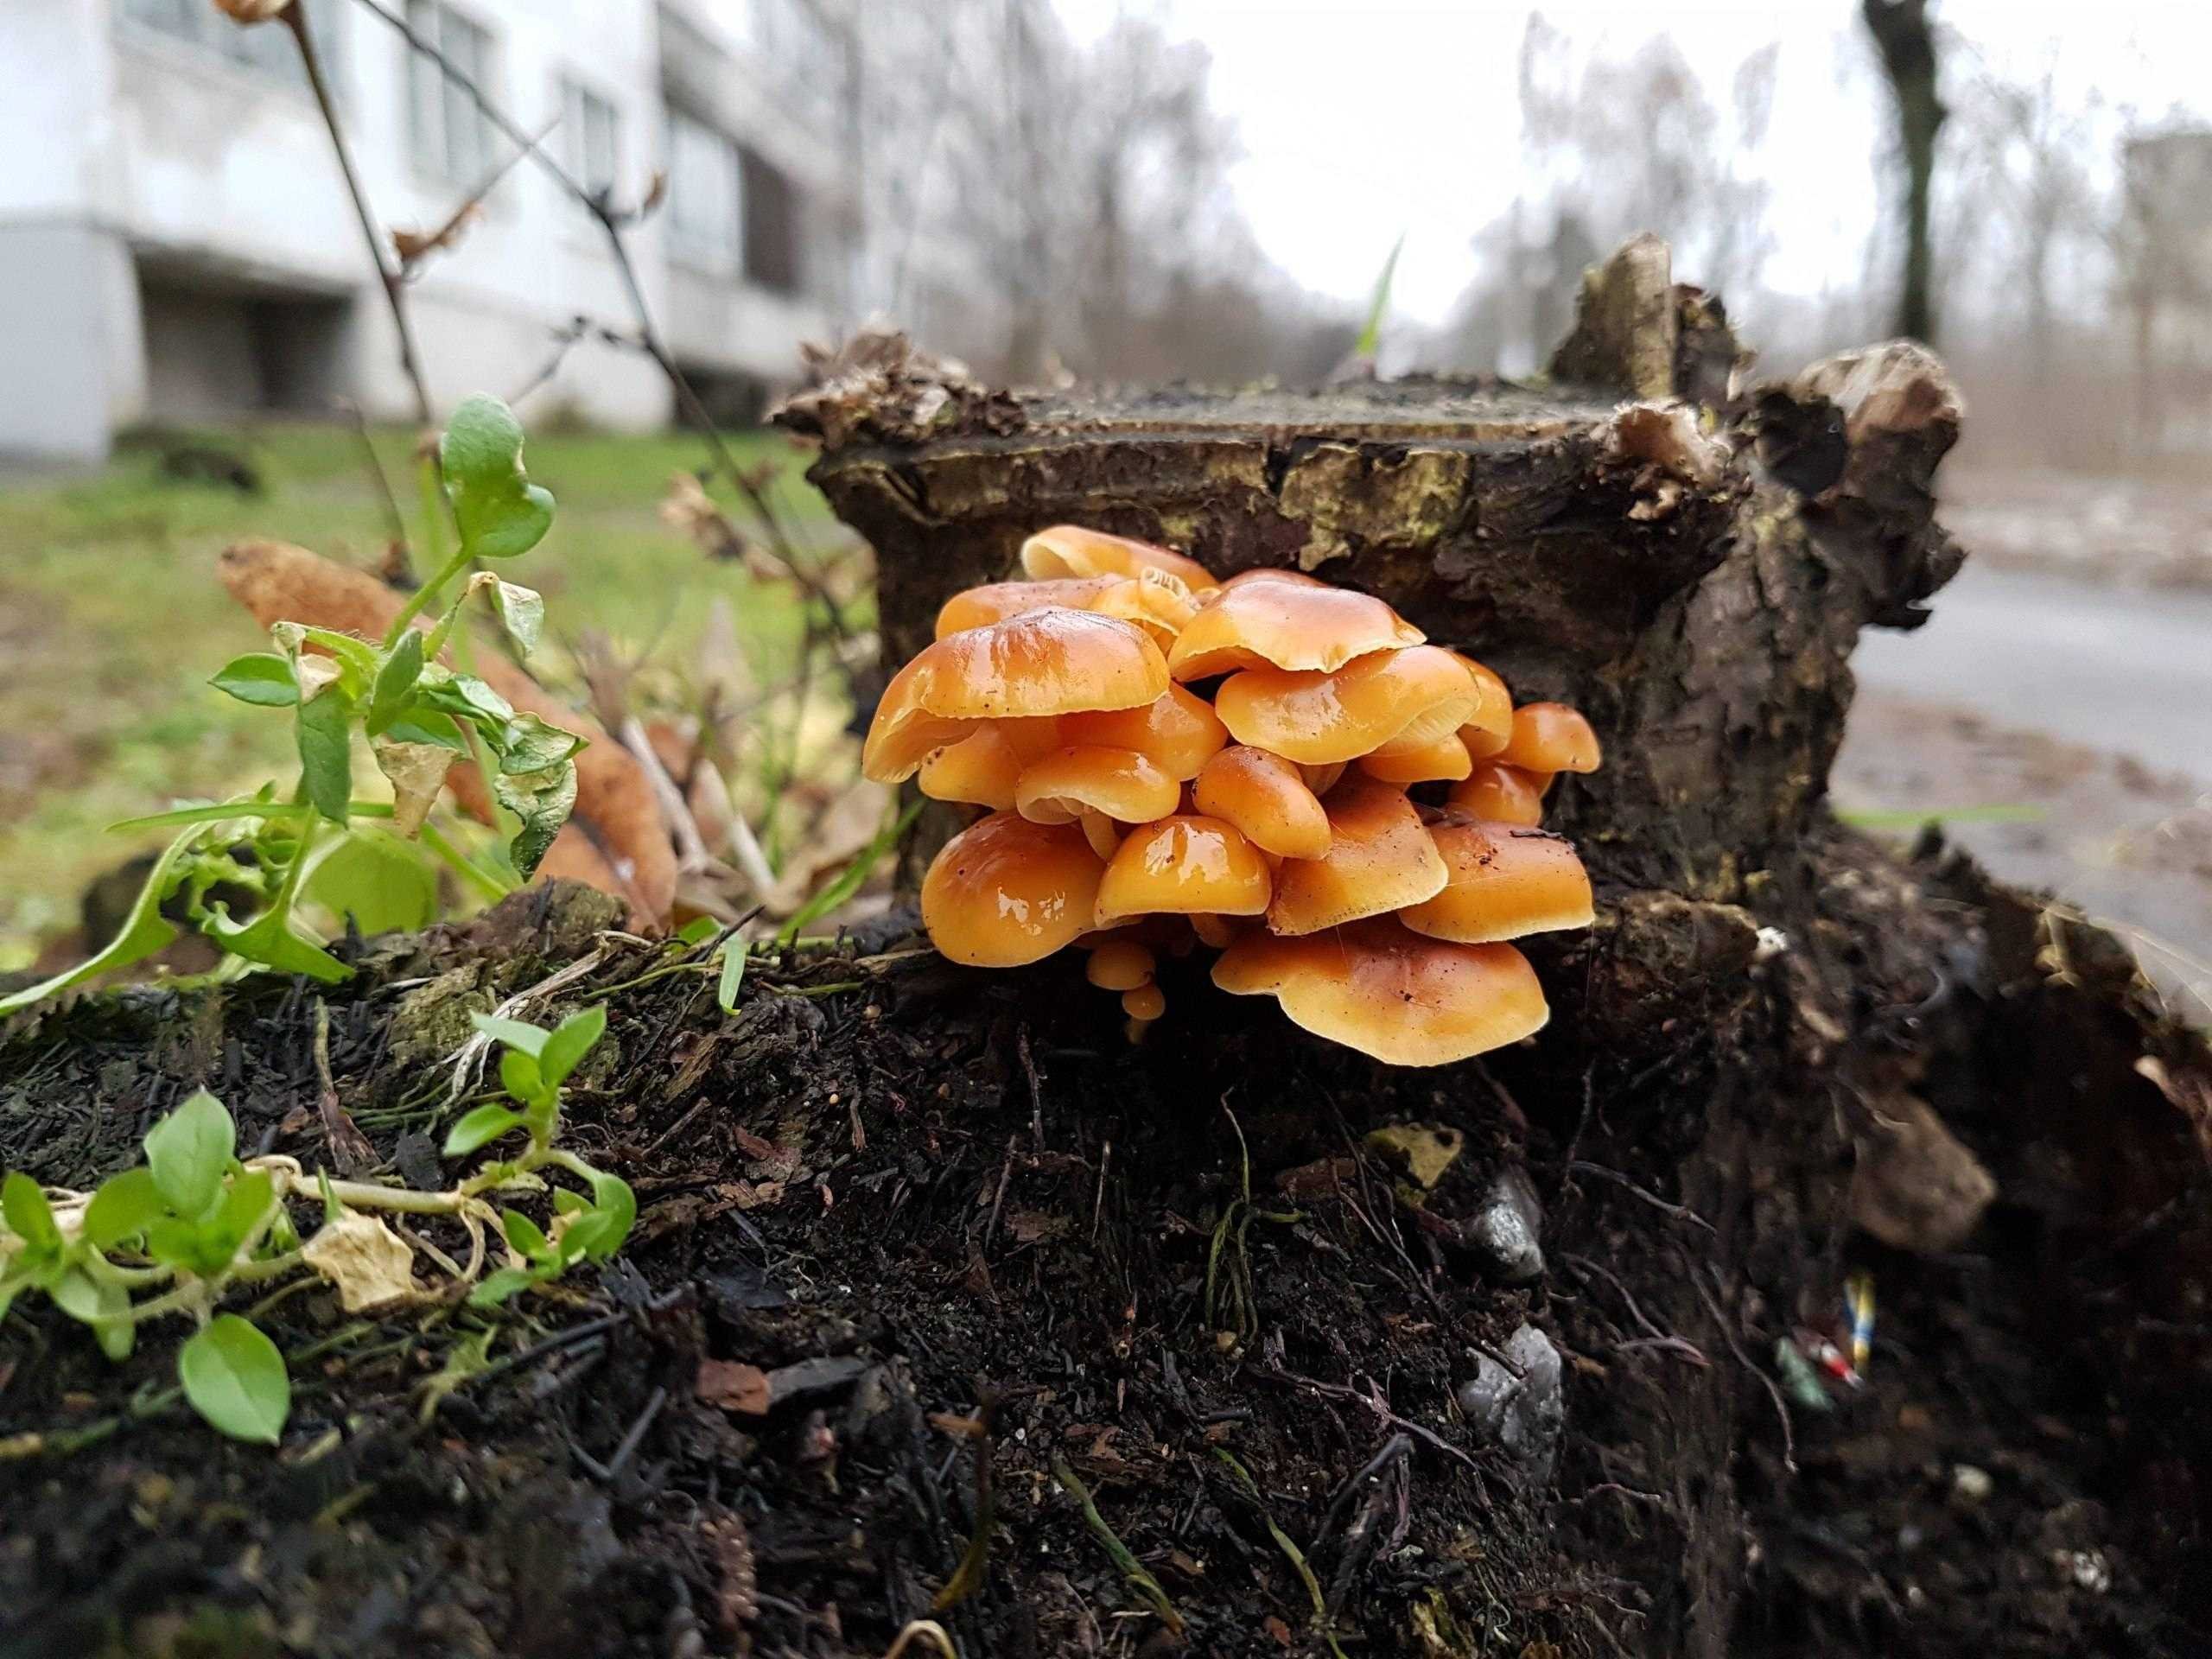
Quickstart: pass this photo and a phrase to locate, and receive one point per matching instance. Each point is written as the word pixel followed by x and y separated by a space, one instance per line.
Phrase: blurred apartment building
pixel 176 243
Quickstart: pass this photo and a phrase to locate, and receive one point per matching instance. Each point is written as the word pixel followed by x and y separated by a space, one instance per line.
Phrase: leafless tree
pixel 1905 36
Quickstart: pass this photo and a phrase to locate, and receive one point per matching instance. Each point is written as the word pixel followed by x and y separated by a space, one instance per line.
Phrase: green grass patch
pixel 112 619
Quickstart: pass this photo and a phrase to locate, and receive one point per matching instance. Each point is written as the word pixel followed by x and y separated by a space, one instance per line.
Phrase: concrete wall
pixel 125 153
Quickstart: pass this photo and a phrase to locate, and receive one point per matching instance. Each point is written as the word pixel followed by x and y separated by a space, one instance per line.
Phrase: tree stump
pixel 950 1313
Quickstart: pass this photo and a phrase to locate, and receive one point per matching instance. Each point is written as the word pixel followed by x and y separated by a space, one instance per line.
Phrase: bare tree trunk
pixel 1902 31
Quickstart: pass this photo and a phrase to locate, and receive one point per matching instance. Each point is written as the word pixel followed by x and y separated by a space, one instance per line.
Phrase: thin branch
pixel 414 249
pixel 295 18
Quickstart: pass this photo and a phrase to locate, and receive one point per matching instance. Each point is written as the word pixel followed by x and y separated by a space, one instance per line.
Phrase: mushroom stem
pixel 1104 836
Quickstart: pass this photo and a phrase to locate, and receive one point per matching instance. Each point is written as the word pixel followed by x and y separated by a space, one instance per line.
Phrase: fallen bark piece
pixel 616 839
pixel 751 1392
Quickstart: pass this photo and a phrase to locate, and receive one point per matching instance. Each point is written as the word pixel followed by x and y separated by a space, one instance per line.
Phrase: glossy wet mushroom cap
pixel 1551 737
pixel 1504 883
pixel 1120 965
pixel 1266 797
pixel 975 607
pixel 1186 864
pixel 1495 793
pixel 1488 729
pixel 1178 730
pixel 1071 550
pixel 1285 624
pixel 1121 784
pixel 983 767
pixel 1443 761
pixel 1004 891
pixel 1392 994
pixel 1270 573
pixel 1381 858
pixel 1411 696
pixel 1053 661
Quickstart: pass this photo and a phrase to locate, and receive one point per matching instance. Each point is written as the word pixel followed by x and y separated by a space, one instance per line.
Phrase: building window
pixel 595 135
pixel 451 137
pixel 265 48
pixel 771 237
pixel 706 187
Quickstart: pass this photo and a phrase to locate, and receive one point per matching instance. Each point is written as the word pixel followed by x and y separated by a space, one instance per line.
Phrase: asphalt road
pixel 2126 671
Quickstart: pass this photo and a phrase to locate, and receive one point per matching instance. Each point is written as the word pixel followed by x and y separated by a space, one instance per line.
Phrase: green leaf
pixel 498 1287
pixel 515 1033
pixel 244 1205
pixel 421 724
pixel 520 1077
pixel 382 882
pixel 479 1128
pixel 614 1210
pixel 571 1040
pixel 567 1201
pixel 734 953
pixel 235 1378
pixel 541 801
pixel 144 930
pixel 260 677
pixel 525 1235
pixel 271 940
pixel 103 1306
pixel 325 733
pixel 522 610
pixel 28 1215
pixel 697 930
pixel 123 1208
pixel 530 744
pixel 188 1151
pixel 499 512
pixel 356 658
pixel 1370 333
pixel 396 678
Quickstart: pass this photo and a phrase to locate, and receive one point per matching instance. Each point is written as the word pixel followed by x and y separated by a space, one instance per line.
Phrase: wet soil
pixel 933 1267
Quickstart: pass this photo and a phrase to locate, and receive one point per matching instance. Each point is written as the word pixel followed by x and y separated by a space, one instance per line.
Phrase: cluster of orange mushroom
pixel 1126 813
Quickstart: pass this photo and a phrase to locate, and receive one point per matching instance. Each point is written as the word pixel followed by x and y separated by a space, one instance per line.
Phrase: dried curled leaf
pixel 368 1264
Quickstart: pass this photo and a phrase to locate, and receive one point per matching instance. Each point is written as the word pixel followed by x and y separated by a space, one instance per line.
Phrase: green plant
pixel 319 845
pixel 177 1233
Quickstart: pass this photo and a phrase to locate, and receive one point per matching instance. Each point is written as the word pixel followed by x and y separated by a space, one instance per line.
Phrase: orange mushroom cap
pixel 1086 777
pixel 983 767
pixel 1313 717
pixel 1380 858
pixel 1391 992
pixel 1270 573
pixel 1071 550
pixel 1120 965
pixel 1551 737
pixel 1285 624
pixel 1487 730
pixel 1497 794
pixel 1144 1002
pixel 1178 730
pixel 1265 796
pixel 1004 891
pixel 975 607
pixel 1053 661
pixel 1186 864
pixel 1505 882
pixel 1443 761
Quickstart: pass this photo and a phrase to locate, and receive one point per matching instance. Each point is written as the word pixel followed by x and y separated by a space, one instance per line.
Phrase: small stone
pixel 1523 1416
pixel 1505 1230
pixel 1970 1486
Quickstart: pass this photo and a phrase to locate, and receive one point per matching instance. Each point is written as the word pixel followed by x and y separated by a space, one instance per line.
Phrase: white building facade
pixel 176 243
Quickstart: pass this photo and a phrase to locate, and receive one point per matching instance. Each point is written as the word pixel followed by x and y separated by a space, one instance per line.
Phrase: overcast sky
pixel 1360 119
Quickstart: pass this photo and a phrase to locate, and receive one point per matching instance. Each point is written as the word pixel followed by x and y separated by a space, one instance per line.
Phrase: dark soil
pixel 968 1233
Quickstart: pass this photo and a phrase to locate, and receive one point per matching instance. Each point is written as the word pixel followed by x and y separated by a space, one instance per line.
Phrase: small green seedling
pixel 178 1233
pixel 270 855
pixel 536 1065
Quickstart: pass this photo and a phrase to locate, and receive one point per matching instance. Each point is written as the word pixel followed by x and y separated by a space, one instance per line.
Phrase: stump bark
pixel 946 1306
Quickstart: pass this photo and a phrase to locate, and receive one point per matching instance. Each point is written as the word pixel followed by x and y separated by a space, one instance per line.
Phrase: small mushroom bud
pixel 1495 793
pixel 1120 965
pixel 1550 737
pixel 1145 1003
pixel 1490 726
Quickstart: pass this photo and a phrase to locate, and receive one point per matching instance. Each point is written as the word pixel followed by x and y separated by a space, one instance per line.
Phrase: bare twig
pixel 412 248
pixel 1680 1212
pixel 391 280
pixel 1728 1335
